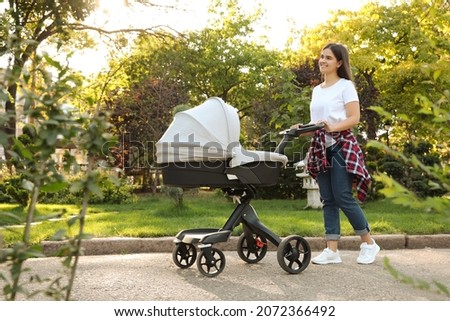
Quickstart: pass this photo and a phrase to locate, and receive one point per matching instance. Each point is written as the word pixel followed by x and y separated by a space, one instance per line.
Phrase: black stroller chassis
pixel 293 252
pixel 201 148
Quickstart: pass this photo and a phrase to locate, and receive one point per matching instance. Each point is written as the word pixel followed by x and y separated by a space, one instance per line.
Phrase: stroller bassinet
pixel 201 148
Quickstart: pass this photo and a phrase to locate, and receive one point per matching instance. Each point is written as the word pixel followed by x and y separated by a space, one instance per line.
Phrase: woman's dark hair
pixel 341 54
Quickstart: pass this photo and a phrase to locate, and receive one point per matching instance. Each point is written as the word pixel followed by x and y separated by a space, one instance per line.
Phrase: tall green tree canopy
pixel 26 25
pixel 221 60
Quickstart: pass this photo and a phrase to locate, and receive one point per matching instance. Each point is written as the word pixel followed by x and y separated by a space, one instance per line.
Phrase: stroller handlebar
pixel 291 133
pixel 302 129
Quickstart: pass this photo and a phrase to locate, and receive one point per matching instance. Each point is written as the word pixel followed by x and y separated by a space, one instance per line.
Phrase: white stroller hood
pixel 208 132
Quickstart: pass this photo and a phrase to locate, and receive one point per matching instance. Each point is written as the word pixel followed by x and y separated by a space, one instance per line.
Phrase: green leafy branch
pixel 416 283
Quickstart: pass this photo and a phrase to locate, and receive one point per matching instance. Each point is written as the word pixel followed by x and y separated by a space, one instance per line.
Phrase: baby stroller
pixel 201 149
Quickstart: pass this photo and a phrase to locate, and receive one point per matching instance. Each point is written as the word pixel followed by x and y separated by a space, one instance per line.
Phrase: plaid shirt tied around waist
pixel 352 153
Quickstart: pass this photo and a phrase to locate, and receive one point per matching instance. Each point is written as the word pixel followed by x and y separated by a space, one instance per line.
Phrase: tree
pixel 53 125
pixel 28 25
pixel 221 61
pixel 140 116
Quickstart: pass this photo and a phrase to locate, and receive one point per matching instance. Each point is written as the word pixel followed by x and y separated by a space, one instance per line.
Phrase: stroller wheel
pixel 294 254
pixel 253 252
pixel 211 262
pixel 184 255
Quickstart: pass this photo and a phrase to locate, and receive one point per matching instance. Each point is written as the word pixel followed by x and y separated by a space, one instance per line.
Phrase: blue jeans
pixel 335 186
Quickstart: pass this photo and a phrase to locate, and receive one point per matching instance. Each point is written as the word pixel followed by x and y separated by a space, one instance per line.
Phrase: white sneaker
pixel 327 257
pixel 368 253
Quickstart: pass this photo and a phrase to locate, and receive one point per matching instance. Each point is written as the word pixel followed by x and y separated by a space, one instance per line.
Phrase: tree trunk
pixel 369 97
pixel 10 126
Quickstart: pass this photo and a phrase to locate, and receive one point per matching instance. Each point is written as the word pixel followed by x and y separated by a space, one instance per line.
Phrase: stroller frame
pixel 293 252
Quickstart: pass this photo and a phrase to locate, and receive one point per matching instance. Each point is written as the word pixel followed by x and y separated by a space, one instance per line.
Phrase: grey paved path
pixel 154 277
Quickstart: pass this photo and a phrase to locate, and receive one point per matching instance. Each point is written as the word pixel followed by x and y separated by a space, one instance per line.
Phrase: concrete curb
pixel 125 245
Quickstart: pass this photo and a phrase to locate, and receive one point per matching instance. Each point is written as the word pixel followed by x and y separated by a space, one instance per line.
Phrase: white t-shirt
pixel 329 103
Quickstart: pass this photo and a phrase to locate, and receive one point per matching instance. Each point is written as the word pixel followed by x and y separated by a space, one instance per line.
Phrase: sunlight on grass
pixel 154 216
pixel 383 227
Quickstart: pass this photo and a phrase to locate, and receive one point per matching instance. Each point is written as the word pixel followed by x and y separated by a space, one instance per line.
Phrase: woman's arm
pixel 353 115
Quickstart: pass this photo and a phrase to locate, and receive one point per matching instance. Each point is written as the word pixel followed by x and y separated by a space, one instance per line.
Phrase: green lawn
pixel 154 216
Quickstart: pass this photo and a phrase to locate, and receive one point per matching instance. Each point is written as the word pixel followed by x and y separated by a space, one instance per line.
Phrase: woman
pixel 335 159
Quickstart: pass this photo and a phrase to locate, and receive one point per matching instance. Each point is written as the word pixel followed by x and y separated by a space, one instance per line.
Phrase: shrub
pixel 175 193
pixel 11 191
pixel 414 179
pixel 113 191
